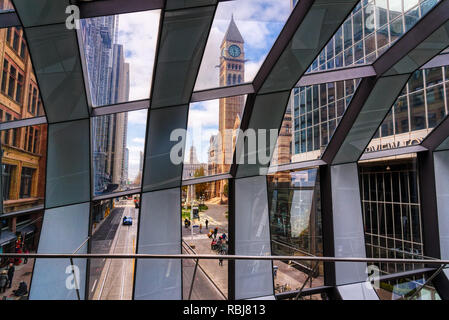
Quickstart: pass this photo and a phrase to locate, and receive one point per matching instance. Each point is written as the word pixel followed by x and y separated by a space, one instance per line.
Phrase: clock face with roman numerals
pixel 234 51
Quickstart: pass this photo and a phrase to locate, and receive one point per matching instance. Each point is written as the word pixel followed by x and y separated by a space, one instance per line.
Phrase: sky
pixel 138 34
pixel 259 22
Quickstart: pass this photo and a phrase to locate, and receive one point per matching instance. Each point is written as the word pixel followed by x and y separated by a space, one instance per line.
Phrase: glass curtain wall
pixel 294 204
pixel 391 211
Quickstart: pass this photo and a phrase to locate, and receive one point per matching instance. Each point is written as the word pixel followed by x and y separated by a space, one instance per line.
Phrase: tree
pixel 225 189
pixel 200 189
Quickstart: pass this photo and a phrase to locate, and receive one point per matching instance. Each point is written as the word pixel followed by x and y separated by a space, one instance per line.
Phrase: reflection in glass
pixel 19 235
pixel 295 223
pixel 316 111
pixel 212 131
pixel 6 5
pixel 118 144
pixel 391 211
pixel 204 222
pixel 19 92
pixel 241 36
pixel 24 155
pixel 113 231
pixel 378 23
pixel 119 52
pixel 405 288
pixel 420 108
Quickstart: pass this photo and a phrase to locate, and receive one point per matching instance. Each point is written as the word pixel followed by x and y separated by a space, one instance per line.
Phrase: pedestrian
pixel 186 223
pixel 223 236
pixel 3 280
pixel 11 270
pixel 201 227
pixel 215 232
pixel 25 250
pixel 220 262
pixel 207 224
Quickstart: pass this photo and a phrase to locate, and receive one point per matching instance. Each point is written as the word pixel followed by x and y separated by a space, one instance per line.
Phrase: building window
pixel 36 141
pixel 26 179
pixel 19 88
pixel 12 81
pixel 6 179
pixel 23 49
pixel 16 39
pixel 5 75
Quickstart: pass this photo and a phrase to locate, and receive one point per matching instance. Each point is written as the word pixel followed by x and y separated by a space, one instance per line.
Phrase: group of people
pixel 219 244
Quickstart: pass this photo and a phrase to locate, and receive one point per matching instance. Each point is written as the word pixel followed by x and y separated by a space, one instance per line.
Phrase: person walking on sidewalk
pixel 207 224
pixel 201 227
pixel 215 232
pixel 11 270
pixel 3 280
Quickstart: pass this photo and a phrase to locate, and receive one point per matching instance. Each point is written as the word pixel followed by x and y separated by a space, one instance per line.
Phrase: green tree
pixel 201 188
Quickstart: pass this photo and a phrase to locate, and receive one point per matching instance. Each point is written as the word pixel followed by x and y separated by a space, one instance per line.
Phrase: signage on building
pixel 394 144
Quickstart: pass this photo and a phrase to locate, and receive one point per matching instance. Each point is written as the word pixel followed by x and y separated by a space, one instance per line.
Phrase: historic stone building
pixel 232 72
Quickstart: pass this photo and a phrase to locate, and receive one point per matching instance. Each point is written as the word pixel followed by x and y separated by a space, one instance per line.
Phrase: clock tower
pixel 232 72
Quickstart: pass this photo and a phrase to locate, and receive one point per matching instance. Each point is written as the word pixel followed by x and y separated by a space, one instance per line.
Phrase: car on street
pixel 127 221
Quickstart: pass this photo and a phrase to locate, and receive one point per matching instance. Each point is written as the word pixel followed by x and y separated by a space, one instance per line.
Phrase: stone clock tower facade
pixel 232 72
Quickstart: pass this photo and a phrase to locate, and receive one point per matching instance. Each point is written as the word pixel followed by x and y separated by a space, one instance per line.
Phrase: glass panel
pixel 57 63
pixel 41 12
pixel 68 170
pixel 24 157
pixel 212 132
pixel 319 126
pixel 296 229
pixel 375 109
pixel 165 148
pixel 18 235
pixel 392 219
pixel 404 288
pixel 118 145
pixel 318 26
pixel 159 232
pixel 19 92
pixel 241 36
pixel 184 35
pixel 252 237
pixel 119 52
pixel 205 230
pixel 382 21
pixel 113 230
pixel 64 230
pixel 424 101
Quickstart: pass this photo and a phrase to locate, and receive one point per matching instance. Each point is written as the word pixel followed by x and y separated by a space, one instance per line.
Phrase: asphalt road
pixel 113 279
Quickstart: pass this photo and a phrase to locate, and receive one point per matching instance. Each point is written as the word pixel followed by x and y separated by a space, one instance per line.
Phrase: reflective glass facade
pixel 308 135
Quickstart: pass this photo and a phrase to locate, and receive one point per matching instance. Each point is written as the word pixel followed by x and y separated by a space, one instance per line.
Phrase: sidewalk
pixel 22 273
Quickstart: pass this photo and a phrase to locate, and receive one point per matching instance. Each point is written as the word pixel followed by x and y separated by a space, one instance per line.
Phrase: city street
pixel 113 279
pixel 210 270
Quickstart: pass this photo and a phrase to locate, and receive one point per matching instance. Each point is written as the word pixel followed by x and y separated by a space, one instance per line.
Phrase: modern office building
pixel 392 220
pixel 350 203
pixel 108 78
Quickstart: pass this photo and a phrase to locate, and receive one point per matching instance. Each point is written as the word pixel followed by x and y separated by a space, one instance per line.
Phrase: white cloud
pixel 138 140
pixel 254 19
pixel 137 117
pixel 138 33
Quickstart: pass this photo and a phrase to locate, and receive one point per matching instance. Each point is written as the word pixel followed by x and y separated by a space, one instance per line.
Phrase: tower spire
pixel 233 34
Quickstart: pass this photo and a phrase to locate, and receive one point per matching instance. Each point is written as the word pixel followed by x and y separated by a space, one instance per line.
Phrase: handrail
pixel 215 257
